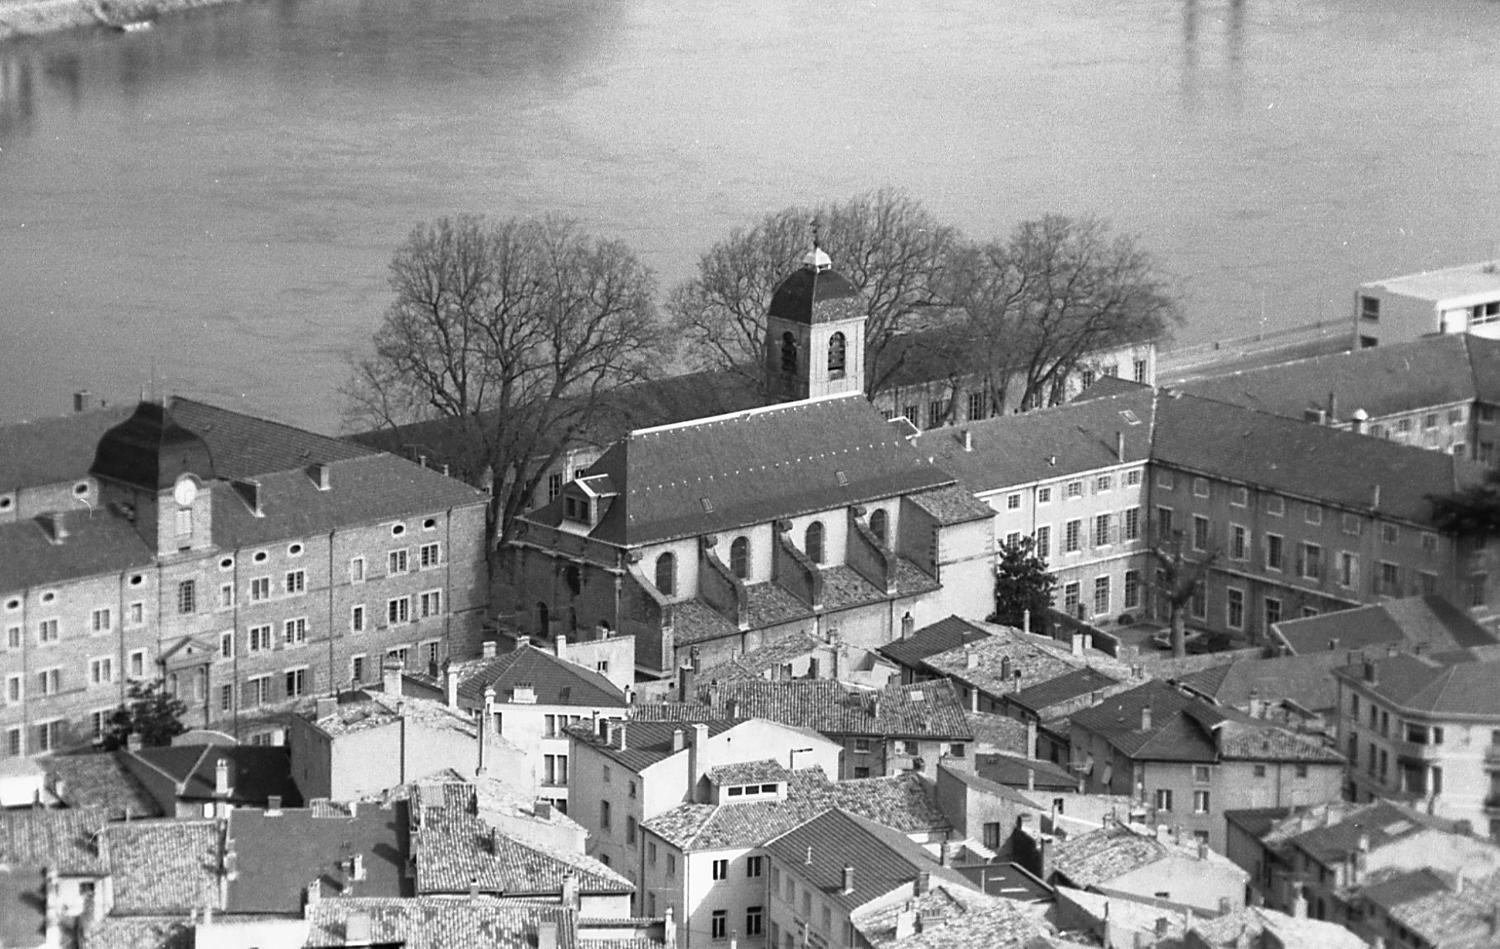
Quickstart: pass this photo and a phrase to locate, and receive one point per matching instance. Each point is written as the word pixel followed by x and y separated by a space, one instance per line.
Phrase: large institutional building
pixel 246 563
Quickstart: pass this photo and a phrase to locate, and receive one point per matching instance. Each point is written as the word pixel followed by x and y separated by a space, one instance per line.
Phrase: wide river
pixel 209 207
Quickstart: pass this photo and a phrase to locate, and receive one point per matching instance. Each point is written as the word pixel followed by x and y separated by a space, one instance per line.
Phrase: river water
pixel 208 207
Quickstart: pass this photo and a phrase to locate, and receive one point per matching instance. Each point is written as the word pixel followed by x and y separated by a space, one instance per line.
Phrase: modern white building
pixel 1463 299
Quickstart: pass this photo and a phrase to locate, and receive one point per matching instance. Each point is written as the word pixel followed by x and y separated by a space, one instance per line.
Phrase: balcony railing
pixel 1416 750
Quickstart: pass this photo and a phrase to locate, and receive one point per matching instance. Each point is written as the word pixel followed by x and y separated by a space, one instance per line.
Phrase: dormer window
pixel 836 347
pixel 575 508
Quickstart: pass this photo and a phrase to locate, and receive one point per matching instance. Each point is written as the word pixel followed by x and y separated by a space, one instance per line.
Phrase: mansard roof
pixel 150 450
pixel 731 471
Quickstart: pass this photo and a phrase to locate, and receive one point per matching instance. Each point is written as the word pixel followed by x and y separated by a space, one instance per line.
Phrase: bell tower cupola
pixel 815 332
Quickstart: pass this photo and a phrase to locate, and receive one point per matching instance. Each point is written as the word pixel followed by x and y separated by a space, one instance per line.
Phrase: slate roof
pixel 1381 822
pixel 810 296
pixel 53 450
pixel 903 802
pixel 555 681
pixel 244 446
pixel 1429 620
pixel 1303 460
pixel 255 772
pixel 101 780
pixel 99 541
pixel 1018 771
pixel 452 846
pixel 952 505
pixel 55 838
pixel 164 866
pixel 1063 688
pixel 1381 380
pixel 1045 444
pixel 883 859
pixel 434 922
pixel 945 634
pixel 1306 680
pixel 928 709
pixel 280 855
pixel 646 742
pixel 1455 683
pixel 981 783
pixel 363 489
pixel 722 473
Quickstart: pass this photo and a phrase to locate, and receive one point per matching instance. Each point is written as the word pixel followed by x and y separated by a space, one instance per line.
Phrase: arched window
pixel 836 355
pixel 879 525
pixel 814 544
pixel 739 558
pixel 666 574
pixel 788 352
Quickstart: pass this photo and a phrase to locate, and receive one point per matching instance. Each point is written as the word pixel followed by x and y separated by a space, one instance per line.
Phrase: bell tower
pixel 815 333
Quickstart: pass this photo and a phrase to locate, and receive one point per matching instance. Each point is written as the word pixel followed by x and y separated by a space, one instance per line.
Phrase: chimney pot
pixel 848 879
pixel 968 440
pixel 487 649
pixel 221 777
pixel 273 805
pixel 390 677
pixel 1145 718
pixel 924 881
pixel 679 739
pixel 560 646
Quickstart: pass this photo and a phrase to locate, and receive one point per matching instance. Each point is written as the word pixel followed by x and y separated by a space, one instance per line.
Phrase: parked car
pixel 1163 639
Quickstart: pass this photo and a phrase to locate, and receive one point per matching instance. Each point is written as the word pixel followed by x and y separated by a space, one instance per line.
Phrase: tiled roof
pixel 1254 925
pixel 434 922
pixel 1029 658
pixel 995 732
pixel 554 681
pixel 1429 620
pixel 1381 380
pixel 768 658
pixel 941 636
pixel 718 474
pixel 361 490
pixel 1256 821
pixel 101 780
pixel 60 839
pixel 954 918
pixel 925 709
pixel 646 742
pixel 1102 855
pixel 255 772
pixel 1018 771
pixel 453 847
pixel 1306 680
pixel 1379 822
pixel 1257 741
pixel 280 854
pixel 53 450
pixel 902 802
pixel 744 772
pixel 694 621
pixel 164 866
pixel 883 859
pixel 1463 919
pixel 138 932
pixel 1302 459
pixel 980 783
pixel 1399 885
pixel 362 711
pixel 952 505
pixel 99 541
pixel 1456 683
pixel 1045 444
pixel 244 446
pixel 1179 725
pixel 1064 688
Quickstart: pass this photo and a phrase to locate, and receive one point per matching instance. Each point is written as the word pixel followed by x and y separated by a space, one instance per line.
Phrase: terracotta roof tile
pixel 164 866
pixel 939 637
pixel 926 709
pixel 430 922
pixel 101 780
pixel 554 681
pixel 1456 683
pixel 280 854
pixel 60 839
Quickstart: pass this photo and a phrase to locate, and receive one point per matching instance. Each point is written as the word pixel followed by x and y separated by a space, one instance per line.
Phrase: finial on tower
pixel 815 258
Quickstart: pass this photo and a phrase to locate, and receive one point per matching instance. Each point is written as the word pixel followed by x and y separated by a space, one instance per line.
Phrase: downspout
pixel 234 659
pixel 448 585
pixel 333 688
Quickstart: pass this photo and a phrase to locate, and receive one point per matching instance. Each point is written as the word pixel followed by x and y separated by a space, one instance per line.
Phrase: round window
pixel 260 556
pixel 397 530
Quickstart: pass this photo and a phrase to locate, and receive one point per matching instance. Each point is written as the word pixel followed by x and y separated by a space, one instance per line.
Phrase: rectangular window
pixel 260 638
pixel 1071 599
pixel 398 610
pixel 430 604
pixel 718 923
pixel 1164 799
pixel 1273 611
pixel 1312 514
pixel 184 522
pixel 1348 569
pixel 429 555
pixel 1274 556
pixel 630 827
pixel 1101 595
pixel 976 406
pixel 1200 802
pixel 260 589
pixel 1101 530
pixel 1164 480
pixel 1132 519
pixel 357 618
pixel 12 637
pixel 137 663
pixel 1164 521
pixel 1369 309
pixel 1352 524
pixel 136 614
pixel 1103 483
pixel 49 682
pixel 1075 489
pixel 1200 487
pixel 754 866
pixel 720 869
pixel 226 697
pixel 226 596
pixel 1275 505
pixel 1390 534
pixel 47 735
pixel 1200 532
pixel 14 745
pixel 357 570
pixel 913 413
pixel 1235 609
pixel 294 631
pixel 226 644
pixel 1239 496
pixel 754 921
pixel 1044 541
pixel 1198 608
pixel 396 562
pixel 1202 774
pixel 1132 589
pixel 1390 579
pixel 1044 495
pixel 47 632
pixel 1312 562
pixel 937 412
pixel 1239 542
pixel 1072 536
pixel 296 581
pixel 100 621
pixel 187 596
pixel 1013 538
pixel 257 691
pixel 605 817
pixel 357 669
pixel 671 865
pixel 15 689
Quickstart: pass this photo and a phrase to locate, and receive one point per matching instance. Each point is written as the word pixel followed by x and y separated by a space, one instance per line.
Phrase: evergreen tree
pixel 150 712
pixel 1022 583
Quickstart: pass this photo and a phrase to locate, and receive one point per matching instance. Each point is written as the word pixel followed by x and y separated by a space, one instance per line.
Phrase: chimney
pixel 321 475
pixel 358 929
pixel 570 893
pixel 560 646
pixel 1077 644
pixel 698 763
pixel 546 934
pixel 1026 621
pixel 1370 673
pixel 80 400
pixel 669 928
pixel 55 524
pixel 221 777
pixel 906 923
pixel 1031 739
pixel 1361 419
pixel 685 677
pixel 473 889
pixel 848 879
pixel 924 881
pixel 486 722
pixel 1119 445
pixel 357 867
pixel 314 893
pixel 542 810
pixel 1333 409
pixel 487 649
pixel 327 705
pixel 450 683
pixel 620 735
pixel 973 699
pixel 273 805
pixel 1146 717
pixel 1005 669
pixel 1202 850
pixel 968 440
pixel 808 860
pixel 390 677
pixel 679 740
pixel 971 659
pixel 1375 498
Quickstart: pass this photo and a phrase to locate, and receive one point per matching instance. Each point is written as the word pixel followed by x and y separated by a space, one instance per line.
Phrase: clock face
pixel 185 492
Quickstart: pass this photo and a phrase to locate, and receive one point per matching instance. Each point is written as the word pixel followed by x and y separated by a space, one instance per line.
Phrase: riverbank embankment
pixel 23 18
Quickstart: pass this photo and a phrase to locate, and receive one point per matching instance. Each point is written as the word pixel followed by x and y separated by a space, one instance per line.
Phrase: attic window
pixel 430 524
pixel 137 580
pixel 13 604
pixel 843 478
pixel 260 556
pixel 81 488
pixel 294 550
pixel 49 596
pixel 708 505
pixel 397 530
pixel 6 502
pixel 226 564
pixel 1130 417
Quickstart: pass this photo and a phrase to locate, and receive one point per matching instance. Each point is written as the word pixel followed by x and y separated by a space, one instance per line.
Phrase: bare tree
pixel 885 243
pixel 1179 578
pixel 511 333
pixel 1060 288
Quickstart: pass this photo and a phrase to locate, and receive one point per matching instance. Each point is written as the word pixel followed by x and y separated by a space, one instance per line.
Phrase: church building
pixel 719 535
